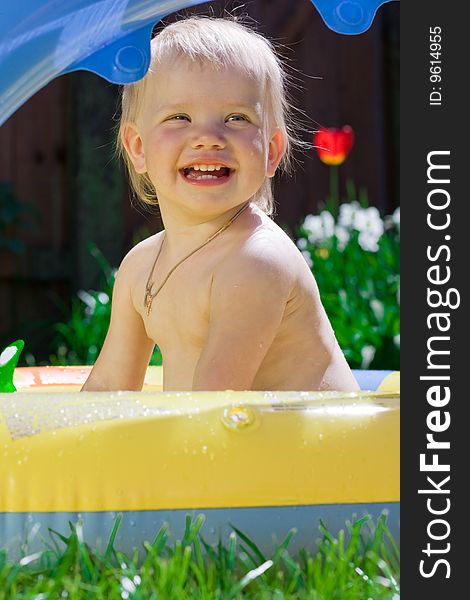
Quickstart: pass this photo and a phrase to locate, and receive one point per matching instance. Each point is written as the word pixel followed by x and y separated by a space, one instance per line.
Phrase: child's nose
pixel 209 137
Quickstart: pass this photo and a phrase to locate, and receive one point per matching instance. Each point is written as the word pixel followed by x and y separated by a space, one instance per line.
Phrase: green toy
pixel 8 361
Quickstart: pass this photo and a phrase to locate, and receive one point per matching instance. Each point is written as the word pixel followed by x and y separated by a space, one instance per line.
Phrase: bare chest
pixel 179 315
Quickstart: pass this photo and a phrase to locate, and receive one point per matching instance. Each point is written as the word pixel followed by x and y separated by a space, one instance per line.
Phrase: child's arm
pixel 248 300
pixel 126 352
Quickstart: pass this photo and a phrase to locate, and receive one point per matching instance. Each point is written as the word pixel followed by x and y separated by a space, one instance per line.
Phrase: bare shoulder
pixel 263 252
pixel 134 270
pixel 140 257
pixel 143 250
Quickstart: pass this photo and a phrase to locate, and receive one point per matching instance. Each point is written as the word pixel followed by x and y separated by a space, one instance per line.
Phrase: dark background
pixel 56 152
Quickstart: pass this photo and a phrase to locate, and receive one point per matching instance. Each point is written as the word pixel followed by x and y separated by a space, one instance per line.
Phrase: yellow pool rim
pixel 129 451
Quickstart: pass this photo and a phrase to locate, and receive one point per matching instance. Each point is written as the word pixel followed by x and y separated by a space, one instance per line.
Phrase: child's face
pixel 201 137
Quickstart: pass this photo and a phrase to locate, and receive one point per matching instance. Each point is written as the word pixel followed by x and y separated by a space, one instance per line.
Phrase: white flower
pixel 396 218
pixel 342 234
pixel 368 220
pixel 312 222
pixel 360 221
pixel 368 241
pixel 319 227
pixel 313 227
pixel 347 212
pixel 393 221
pixel 301 243
pixel 328 223
pixel 375 223
pixel 308 258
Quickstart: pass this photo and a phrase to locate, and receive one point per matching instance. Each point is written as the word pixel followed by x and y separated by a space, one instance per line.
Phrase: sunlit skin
pixel 243 312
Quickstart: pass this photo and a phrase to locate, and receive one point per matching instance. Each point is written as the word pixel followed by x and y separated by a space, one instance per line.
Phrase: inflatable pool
pixel 264 462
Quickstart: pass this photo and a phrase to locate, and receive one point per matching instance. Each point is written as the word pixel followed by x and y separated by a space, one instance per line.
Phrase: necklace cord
pixel 149 296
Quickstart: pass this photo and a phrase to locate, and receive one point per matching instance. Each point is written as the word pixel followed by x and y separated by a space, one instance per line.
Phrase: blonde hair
pixel 221 43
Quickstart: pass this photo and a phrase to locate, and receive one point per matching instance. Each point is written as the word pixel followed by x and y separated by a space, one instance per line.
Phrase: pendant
pixel 148 302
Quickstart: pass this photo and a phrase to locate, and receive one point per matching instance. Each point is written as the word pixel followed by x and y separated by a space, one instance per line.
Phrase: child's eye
pixel 237 118
pixel 181 117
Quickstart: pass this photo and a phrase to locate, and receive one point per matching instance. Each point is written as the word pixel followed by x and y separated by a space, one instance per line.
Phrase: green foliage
pixel 355 258
pixel 359 564
pixel 79 339
pixel 14 214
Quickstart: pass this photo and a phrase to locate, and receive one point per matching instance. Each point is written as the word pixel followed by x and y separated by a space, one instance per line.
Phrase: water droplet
pixel 204 450
pixel 239 417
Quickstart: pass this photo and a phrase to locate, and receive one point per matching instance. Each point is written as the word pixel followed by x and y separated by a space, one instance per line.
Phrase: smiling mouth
pixel 218 173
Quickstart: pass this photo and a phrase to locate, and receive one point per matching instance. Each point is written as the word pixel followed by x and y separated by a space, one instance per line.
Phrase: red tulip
pixel 333 145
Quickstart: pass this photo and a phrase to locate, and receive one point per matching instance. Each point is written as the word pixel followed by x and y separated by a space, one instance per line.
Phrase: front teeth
pixel 206 167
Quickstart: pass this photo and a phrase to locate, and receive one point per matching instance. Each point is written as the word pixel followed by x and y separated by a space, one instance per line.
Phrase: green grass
pixel 360 565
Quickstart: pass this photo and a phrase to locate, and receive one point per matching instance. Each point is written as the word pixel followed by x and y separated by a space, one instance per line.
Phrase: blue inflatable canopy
pixel 40 40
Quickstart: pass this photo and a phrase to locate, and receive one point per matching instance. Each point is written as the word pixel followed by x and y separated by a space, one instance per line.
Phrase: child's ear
pixel 132 142
pixel 275 152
